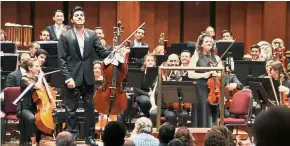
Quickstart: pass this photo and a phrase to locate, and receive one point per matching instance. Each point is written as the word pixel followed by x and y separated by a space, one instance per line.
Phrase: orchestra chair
pixel 10 94
pixel 240 110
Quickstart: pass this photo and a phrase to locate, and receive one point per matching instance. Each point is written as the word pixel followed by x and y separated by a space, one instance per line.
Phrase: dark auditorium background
pixel 250 22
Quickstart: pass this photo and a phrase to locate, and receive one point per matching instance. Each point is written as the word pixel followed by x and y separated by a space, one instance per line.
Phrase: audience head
pixel 173 60
pixel 58 17
pixel 255 52
pixel 143 125
pixel 166 132
pixel 215 138
pixel 226 132
pixel 140 34
pixel 100 32
pixel 205 44
pixel 77 16
pixel 3 35
pixel 114 134
pixel 227 35
pixel 149 61
pixel 210 30
pixel 184 135
pixel 65 138
pixel 41 56
pixel 185 57
pixel 272 127
pixel 33 47
pixel 32 66
pixel 44 35
pixel 176 142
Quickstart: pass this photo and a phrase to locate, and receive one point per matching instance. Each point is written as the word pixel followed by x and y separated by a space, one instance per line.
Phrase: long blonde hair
pixel 145 57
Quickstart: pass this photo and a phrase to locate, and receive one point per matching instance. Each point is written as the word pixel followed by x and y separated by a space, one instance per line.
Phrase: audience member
pixel 65 138
pixel 185 136
pixel 166 133
pixel 114 134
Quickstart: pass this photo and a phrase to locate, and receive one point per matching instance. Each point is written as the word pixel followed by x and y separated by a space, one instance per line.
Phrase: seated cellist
pixel 27 108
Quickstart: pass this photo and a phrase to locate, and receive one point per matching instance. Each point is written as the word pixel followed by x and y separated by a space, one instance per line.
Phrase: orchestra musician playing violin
pixel 26 109
pixel 204 57
pixel 75 49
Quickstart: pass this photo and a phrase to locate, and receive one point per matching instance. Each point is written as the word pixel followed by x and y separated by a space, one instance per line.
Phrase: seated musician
pixel 139 36
pixel 3 35
pixel 227 35
pixel 44 35
pixel 101 36
pixel 98 74
pixel 41 56
pixel 204 57
pixel 27 108
pixel 32 48
pixel 255 54
pixel 185 56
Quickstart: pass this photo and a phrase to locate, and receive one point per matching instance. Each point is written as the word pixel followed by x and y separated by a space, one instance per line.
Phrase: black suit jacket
pixel 72 63
pixel 133 44
pixel 13 79
pixel 52 32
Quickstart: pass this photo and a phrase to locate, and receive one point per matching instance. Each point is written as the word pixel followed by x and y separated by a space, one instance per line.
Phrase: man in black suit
pixel 75 49
pixel 13 78
pixel 139 36
pixel 58 28
pixel 101 35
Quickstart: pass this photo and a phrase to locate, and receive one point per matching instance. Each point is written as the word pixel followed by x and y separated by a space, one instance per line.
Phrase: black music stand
pixel 7 47
pixel 137 53
pixel 243 69
pixel 160 59
pixel 49 46
pixel 262 91
pixel 150 77
pixel 236 51
pixel 177 48
pixel 180 92
pixel 134 78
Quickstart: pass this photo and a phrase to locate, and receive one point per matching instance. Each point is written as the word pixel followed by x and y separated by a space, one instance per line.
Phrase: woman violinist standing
pixel 27 108
pixel 205 114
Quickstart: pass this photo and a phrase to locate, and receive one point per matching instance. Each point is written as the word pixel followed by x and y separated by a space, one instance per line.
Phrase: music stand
pixel 249 68
pixel 9 63
pixel 160 59
pixel 180 92
pixel 7 47
pixel 134 77
pixel 49 46
pixel 150 77
pixel 236 51
pixel 263 91
pixel 136 65
pixel 137 53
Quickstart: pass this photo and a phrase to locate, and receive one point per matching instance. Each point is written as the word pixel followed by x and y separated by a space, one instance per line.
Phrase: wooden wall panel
pixel 108 19
pixel 254 19
pixel 44 11
pixel 129 14
pixel 222 18
pixel 161 21
pixel 8 13
pixel 237 20
pixel 274 21
pixel 147 15
pixel 196 19
pixel 91 12
pixel 173 22
pixel 287 26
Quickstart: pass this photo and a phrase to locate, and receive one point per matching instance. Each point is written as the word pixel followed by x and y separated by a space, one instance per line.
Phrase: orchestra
pixel 83 56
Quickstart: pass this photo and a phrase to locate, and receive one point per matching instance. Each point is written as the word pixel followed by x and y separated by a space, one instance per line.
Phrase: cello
pixel 110 98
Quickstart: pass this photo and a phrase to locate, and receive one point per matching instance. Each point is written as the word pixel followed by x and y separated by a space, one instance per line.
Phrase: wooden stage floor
pixel 198 133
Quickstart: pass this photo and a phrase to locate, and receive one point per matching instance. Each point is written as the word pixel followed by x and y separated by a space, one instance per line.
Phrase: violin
pixel 45 101
pixel 110 98
pixel 214 85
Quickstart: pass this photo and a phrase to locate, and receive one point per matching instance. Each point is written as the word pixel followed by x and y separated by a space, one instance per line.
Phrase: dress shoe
pixel 90 141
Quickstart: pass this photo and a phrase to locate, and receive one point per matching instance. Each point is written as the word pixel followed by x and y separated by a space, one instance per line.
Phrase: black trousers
pixel 71 98
pixel 203 114
pixel 144 103
pixel 28 128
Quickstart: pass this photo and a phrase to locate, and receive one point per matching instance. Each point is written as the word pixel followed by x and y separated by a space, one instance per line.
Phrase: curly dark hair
pixel 215 138
pixel 183 134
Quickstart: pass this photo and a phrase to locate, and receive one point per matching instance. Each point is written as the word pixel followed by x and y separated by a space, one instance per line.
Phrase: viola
pixel 214 85
pixel 45 100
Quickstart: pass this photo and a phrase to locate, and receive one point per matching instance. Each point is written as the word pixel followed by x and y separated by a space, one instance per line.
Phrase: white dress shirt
pixel 58 30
